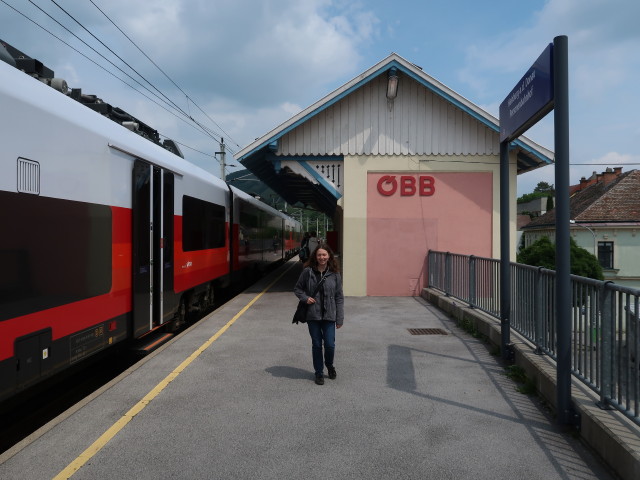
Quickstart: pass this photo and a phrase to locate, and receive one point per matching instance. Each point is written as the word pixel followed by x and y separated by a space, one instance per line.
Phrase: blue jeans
pixel 322 330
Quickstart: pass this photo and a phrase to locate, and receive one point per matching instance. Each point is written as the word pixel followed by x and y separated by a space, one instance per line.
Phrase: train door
pixel 152 232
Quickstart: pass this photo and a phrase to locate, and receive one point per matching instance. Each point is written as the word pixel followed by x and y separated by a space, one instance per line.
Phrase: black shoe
pixel 332 373
pixel 319 380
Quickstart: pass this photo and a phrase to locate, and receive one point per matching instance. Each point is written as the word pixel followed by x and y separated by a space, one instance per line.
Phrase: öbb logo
pixel 425 185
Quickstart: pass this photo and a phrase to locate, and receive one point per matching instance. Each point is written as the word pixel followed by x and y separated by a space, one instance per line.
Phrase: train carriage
pixel 108 236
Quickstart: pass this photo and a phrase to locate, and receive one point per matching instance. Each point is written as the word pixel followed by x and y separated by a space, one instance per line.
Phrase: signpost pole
pixel 543 88
pixel 505 254
pixel 563 265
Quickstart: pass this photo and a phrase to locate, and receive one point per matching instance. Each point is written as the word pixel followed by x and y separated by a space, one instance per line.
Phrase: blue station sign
pixel 530 100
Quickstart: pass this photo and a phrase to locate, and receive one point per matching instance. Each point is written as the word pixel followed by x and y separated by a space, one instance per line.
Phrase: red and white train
pixel 106 235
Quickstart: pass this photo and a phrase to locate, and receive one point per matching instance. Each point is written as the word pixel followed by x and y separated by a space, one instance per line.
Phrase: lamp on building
pixel 392 83
pixel 595 248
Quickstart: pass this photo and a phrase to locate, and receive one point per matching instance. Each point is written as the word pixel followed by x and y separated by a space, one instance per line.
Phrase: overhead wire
pixel 163 72
pixel 168 100
pixel 482 162
pixel 94 50
pixel 98 65
pixel 183 116
pixel 606 163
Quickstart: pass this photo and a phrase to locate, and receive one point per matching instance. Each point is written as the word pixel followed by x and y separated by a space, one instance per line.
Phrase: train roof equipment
pixel 39 71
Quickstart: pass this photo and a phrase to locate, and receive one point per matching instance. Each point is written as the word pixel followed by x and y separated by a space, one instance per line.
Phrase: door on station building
pixel 152 232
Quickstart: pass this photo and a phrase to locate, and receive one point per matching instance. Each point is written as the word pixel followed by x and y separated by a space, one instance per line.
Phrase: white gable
pixel 417 122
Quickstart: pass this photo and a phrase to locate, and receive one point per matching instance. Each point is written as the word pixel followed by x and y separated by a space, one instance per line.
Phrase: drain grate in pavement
pixel 426 331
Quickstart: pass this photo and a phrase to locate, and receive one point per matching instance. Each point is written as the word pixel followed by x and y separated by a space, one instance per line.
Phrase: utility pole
pixel 223 175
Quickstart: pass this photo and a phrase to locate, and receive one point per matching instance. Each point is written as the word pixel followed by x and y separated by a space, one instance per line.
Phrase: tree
pixel 549 203
pixel 543 187
pixel 542 253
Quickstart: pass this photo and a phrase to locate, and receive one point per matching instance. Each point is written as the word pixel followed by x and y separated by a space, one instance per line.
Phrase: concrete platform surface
pixel 234 398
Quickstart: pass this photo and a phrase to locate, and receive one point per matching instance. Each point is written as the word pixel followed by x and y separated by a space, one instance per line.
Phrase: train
pixel 109 236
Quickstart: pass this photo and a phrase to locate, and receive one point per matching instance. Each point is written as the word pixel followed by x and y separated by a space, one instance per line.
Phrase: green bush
pixel 542 253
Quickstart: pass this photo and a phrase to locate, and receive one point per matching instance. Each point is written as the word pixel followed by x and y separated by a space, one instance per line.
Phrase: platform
pixel 234 398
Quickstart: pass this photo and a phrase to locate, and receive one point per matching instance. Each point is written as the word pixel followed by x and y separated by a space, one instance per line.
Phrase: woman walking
pixel 325 311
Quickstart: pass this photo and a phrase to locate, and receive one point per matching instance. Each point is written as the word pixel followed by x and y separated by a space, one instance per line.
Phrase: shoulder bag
pixel 301 310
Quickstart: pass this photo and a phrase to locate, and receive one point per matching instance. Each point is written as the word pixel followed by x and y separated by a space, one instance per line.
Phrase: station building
pixel 403 165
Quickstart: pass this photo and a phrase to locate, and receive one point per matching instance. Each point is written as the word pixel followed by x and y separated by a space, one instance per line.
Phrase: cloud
pixel 603 41
pixel 255 52
pixel 248 64
pixel 592 24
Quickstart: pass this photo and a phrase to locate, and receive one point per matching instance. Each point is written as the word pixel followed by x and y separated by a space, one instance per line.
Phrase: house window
pixel 605 254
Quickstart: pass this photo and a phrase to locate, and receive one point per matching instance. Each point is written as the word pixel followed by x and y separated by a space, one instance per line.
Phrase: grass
pixel 525 385
pixel 469 326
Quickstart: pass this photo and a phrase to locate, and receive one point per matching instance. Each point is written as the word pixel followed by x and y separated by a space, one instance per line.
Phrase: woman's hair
pixel 332 263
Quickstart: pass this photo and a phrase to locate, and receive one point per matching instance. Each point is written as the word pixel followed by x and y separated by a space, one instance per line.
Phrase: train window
pixel 53 252
pixel 248 219
pixel 203 224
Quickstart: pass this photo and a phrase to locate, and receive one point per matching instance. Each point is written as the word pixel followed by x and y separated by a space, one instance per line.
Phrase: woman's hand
pixel 338 325
pixel 311 301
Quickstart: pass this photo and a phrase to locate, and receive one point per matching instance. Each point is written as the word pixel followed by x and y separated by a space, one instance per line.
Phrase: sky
pixel 240 68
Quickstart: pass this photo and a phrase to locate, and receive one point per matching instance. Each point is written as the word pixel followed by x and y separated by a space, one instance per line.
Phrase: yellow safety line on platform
pixel 85 456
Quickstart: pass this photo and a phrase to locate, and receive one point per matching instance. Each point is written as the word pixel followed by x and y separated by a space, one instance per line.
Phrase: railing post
pixel 537 311
pixel 472 281
pixel 608 334
pixel 447 273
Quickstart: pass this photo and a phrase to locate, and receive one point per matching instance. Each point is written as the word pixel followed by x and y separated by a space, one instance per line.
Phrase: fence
pixel 605 345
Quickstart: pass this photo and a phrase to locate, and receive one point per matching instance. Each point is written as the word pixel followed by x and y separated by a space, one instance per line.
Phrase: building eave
pixel 529 154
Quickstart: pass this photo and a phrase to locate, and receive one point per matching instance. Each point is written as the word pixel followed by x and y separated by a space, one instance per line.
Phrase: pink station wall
pixel 410 213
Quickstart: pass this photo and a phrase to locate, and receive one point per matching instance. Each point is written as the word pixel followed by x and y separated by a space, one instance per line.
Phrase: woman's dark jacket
pixel 332 295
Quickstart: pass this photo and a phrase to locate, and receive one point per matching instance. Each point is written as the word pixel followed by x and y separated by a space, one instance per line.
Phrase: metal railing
pixel 605 345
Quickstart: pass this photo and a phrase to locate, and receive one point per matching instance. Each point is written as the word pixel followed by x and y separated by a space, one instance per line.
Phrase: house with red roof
pixel 605 220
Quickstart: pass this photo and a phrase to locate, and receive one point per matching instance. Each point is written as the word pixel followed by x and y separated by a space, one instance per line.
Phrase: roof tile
pixel 617 201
